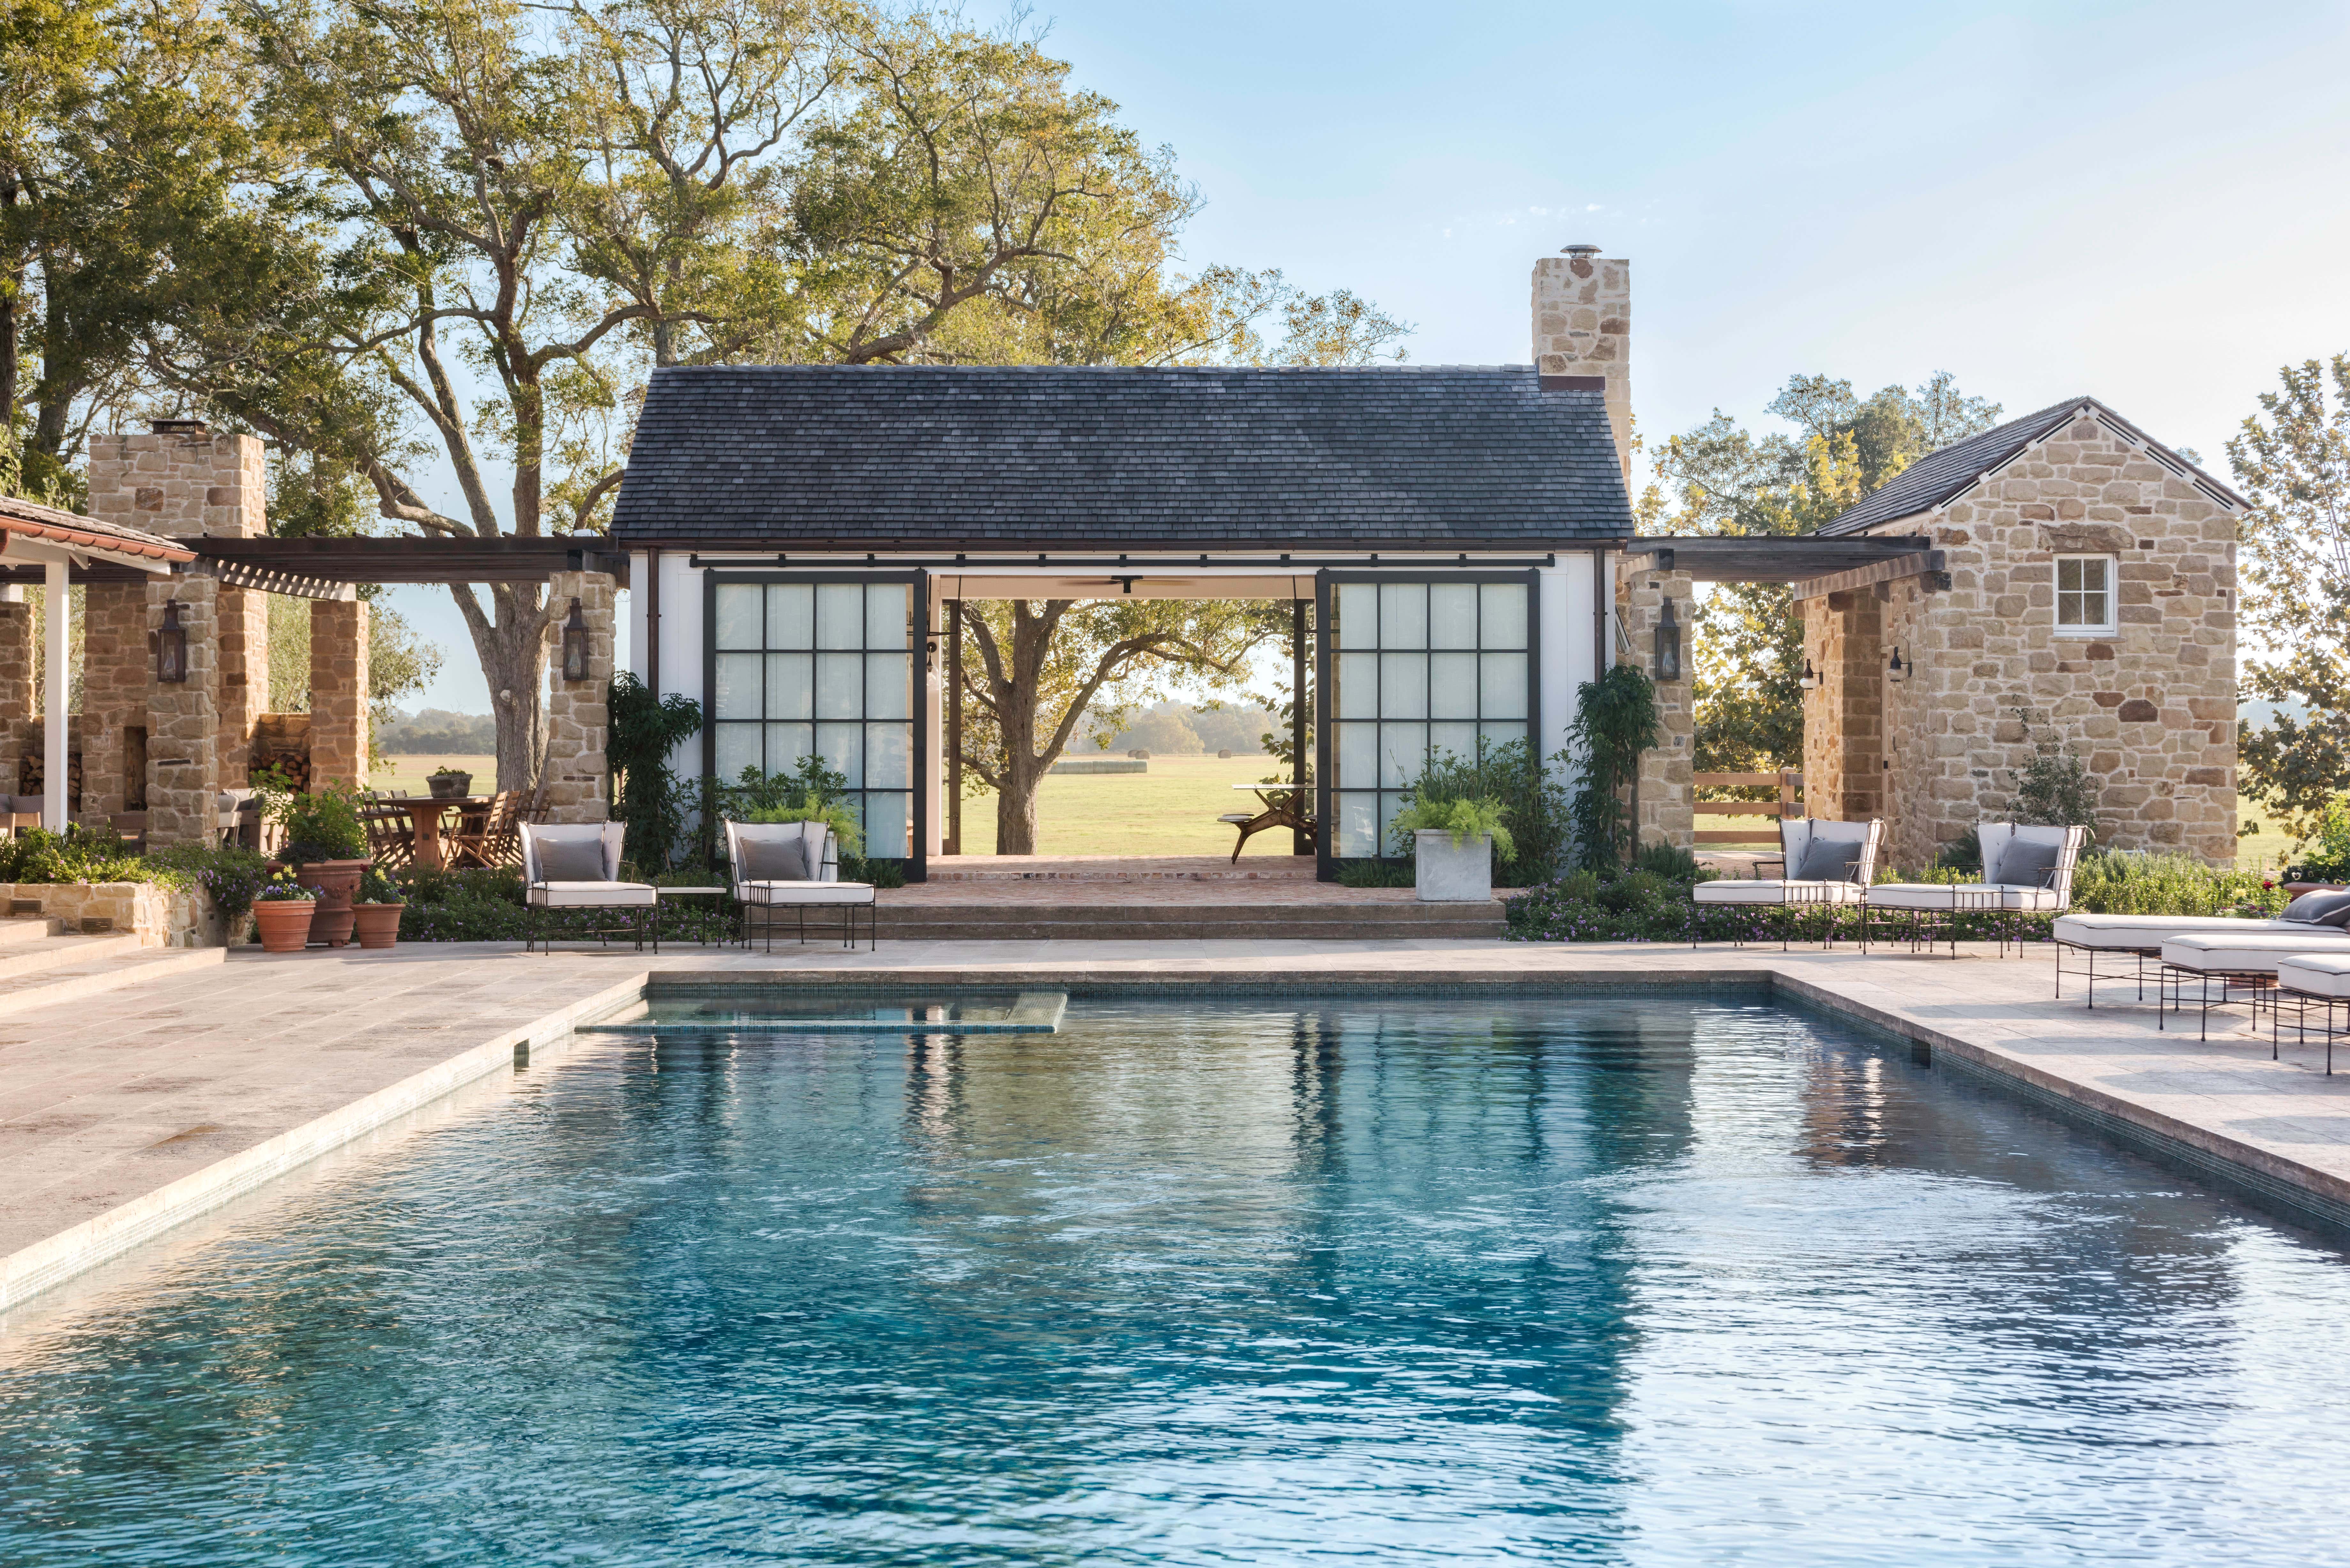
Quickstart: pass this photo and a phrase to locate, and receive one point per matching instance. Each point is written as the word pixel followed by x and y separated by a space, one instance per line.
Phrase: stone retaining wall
pixel 161 916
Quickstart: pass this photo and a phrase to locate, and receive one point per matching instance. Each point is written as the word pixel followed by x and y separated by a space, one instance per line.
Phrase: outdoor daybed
pixel 1823 865
pixel 778 865
pixel 2027 870
pixel 578 867
pixel 2321 980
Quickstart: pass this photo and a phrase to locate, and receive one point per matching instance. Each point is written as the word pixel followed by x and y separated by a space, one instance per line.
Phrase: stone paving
pixel 111 1097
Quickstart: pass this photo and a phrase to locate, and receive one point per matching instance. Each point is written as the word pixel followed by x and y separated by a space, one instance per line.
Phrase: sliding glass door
pixel 1413 668
pixel 822 664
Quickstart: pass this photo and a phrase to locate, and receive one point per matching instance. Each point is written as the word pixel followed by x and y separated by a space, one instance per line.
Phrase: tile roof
pixel 1941 476
pixel 878 457
pixel 34 521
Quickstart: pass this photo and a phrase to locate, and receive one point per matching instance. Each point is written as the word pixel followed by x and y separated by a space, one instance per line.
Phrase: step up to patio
pixel 1079 920
pixel 60 968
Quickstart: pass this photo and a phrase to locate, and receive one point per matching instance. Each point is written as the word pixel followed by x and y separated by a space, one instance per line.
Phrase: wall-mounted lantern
pixel 1668 646
pixel 1898 670
pixel 1810 680
pixel 171 647
pixel 575 645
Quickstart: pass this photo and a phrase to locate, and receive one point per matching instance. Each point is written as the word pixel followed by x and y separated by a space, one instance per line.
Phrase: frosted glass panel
pixel 885 825
pixel 791 615
pixel 1358 615
pixel 738 686
pixel 1403 615
pixel 885 614
pixel 1358 827
pixel 1359 756
pixel 1403 753
pixel 1452 615
pixel 1506 615
pixel 1460 740
pixel 1403 686
pixel 786 744
pixel 843 746
pixel 888 685
pixel 1452 685
pixel 738 748
pixel 1388 805
pixel 1358 686
pixel 1504 695
pixel 791 686
pixel 889 756
pixel 1500 734
pixel 840 615
pixel 839 686
pixel 738 615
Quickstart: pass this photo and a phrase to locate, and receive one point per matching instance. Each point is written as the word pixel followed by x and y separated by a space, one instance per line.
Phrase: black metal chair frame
pixel 638 921
pixel 1812 898
pixel 2303 1000
pixel 2092 974
pixel 770 911
pixel 2260 988
pixel 1925 928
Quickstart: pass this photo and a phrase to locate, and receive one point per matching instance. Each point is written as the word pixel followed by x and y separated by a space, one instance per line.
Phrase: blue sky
pixel 2141 201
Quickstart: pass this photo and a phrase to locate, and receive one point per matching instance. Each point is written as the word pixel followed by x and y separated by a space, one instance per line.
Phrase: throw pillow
pixel 2319 909
pixel 1830 860
pixel 773 859
pixel 569 859
pixel 2025 864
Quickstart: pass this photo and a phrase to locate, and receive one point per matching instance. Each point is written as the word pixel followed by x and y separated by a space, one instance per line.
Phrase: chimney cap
pixel 177 427
pixel 1578 250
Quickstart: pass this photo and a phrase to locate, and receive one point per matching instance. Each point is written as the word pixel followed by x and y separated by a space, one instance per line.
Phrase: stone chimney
pixel 1583 332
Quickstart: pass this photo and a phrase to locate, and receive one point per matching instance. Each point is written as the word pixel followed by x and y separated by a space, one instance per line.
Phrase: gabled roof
pixel 937 456
pixel 1941 476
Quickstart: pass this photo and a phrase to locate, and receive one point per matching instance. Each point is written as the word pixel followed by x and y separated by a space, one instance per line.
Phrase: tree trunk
pixel 513 651
pixel 1015 808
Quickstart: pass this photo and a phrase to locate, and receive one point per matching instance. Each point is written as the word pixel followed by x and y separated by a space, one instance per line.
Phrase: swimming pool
pixel 1645 1281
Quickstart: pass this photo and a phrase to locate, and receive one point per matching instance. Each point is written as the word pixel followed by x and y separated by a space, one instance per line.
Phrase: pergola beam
pixel 1926 563
pixel 1768 558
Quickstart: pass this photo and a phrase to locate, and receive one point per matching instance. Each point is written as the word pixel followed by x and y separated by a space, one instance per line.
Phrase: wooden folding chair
pixel 391 836
pixel 491 839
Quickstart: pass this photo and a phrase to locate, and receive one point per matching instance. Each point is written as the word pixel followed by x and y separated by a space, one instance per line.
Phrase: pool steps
pixel 1032 1013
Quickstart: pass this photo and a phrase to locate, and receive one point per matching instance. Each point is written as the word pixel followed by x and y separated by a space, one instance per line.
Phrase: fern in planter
pixel 1463 819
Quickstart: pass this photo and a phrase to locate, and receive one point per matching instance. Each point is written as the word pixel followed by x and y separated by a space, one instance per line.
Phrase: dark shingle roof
pixel 931 455
pixel 1941 476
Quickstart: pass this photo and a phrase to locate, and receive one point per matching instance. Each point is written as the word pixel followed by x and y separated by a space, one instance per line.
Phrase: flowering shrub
pixel 78 855
pixel 230 873
pixel 282 889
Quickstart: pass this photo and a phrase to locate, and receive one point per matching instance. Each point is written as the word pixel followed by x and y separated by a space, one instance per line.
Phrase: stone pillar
pixel 338 693
pixel 116 672
pixel 578 716
pixel 18 705
pixel 183 720
pixel 1668 798
pixel 1583 327
pixel 1844 715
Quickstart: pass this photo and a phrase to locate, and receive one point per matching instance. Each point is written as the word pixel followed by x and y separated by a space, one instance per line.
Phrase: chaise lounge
pixel 1824 865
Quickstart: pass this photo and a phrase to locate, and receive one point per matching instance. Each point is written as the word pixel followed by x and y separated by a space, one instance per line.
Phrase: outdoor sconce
pixel 1811 682
pixel 171 647
pixel 1897 671
pixel 1668 646
pixel 575 645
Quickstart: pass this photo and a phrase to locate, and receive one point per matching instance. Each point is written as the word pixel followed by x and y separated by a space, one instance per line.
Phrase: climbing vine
pixel 1615 720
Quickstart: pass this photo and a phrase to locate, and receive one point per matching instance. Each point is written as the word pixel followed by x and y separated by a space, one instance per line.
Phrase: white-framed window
pixel 2084 594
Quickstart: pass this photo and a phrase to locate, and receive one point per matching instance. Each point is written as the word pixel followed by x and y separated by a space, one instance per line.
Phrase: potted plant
pixel 326 847
pixel 284 910
pixel 448 784
pixel 376 912
pixel 1452 848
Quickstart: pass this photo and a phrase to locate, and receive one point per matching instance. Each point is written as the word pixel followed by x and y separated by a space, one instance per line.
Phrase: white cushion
pixel 591 895
pixel 2316 973
pixel 787 893
pixel 1967 897
pixel 1730 891
pixel 2254 954
pixel 2145 932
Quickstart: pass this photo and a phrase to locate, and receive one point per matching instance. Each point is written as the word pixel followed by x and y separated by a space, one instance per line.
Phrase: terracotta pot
pixel 284 924
pixel 337 882
pixel 377 924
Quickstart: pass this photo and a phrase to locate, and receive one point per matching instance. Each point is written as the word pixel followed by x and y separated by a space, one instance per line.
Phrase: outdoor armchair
pixel 578 867
pixel 795 866
pixel 1824 864
pixel 2027 870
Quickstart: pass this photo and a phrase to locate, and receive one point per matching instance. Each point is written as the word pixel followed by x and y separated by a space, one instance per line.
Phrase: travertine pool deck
pixel 124 1114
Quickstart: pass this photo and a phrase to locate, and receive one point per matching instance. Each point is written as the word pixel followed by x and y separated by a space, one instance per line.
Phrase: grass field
pixel 405 775
pixel 1170 810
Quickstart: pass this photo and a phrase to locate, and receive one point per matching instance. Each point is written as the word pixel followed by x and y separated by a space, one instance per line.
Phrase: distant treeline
pixel 1173 729
pixel 431 731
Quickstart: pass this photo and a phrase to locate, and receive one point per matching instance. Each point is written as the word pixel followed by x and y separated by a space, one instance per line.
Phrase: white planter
pixel 1445 873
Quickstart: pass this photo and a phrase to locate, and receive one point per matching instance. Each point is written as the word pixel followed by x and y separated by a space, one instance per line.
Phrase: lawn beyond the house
pixel 1170 810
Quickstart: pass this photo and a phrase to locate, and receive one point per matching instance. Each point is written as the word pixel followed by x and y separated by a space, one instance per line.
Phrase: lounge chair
pixel 1823 865
pixel 779 866
pixel 2321 980
pixel 578 867
pixel 2097 938
pixel 2247 957
pixel 2027 871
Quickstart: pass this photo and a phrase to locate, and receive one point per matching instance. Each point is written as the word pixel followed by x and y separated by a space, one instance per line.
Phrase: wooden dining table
pixel 424 814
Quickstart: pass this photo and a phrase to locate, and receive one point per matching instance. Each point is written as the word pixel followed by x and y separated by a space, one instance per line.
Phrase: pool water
pixel 1643 1282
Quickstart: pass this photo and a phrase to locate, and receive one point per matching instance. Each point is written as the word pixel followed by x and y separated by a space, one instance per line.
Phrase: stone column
pixel 18 705
pixel 183 720
pixel 117 670
pixel 338 693
pixel 1844 716
pixel 1583 327
pixel 1667 799
pixel 578 716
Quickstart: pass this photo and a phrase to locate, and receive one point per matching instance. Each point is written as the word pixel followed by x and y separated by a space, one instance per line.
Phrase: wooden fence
pixel 1789 783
